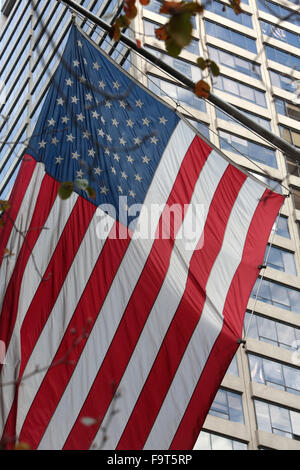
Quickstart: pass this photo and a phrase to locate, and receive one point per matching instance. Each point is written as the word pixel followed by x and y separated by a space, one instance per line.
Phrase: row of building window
pixel 271 418
pixel 210 441
pixel 282 57
pixel 178 93
pixel 272 331
pixel 234 62
pixel 279 11
pixel 277 295
pixel 257 152
pixel 226 117
pixel 280 259
pixel 279 33
pixel 230 35
pixel 274 374
pixel 227 12
pixel 236 88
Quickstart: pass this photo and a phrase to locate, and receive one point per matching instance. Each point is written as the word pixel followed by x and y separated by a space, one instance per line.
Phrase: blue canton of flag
pixel 97 125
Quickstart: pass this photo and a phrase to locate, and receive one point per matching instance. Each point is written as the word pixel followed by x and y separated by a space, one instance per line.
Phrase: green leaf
pixel 91 192
pixel 202 63
pixel 215 70
pixel 65 189
pixel 81 184
pixel 172 47
pixel 180 28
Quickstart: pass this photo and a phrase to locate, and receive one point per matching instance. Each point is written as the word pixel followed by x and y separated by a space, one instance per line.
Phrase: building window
pixel 149 30
pixel 296 197
pixel 186 68
pixel 236 88
pixel 233 367
pixel 179 94
pixel 228 405
pixel 252 150
pixel 202 127
pixel 279 11
pixel 271 331
pixel 277 420
pixel 270 182
pixel 287 109
pixel 234 62
pixel 283 81
pixel 281 227
pixel 154 6
pixel 281 34
pixel 292 136
pixel 274 374
pixel 293 167
pixel 226 117
pixel 277 295
pixel 282 57
pixel 229 35
pixel 228 12
pixel 280 259
pixel 210 441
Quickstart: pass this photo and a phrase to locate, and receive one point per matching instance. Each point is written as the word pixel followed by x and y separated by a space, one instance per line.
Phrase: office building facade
pixel 258 51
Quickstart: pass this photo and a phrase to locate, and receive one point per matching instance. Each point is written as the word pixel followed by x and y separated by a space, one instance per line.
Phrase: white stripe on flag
pixel 165 305
pixel 58 320
pixel 211 320
pixel 31 279
pixel 43 251
pixel 115 304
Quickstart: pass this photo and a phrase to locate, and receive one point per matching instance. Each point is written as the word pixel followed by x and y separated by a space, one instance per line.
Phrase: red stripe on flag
pixel 141 301
pixel 54 277
pixel 187 315
pixel 83 319
pixel 19 189
pixel 45 200
pixel 234 311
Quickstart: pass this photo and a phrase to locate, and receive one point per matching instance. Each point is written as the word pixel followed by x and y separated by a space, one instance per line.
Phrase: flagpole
pixel 281 144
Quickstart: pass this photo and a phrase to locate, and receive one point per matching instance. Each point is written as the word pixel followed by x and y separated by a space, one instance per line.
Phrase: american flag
pixel 119 320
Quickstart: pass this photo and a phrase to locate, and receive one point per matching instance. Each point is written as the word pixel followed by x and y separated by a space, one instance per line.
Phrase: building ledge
pixel 274 441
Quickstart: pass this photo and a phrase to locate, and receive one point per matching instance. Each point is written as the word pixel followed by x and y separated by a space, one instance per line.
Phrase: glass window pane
pixel 233 367
pixel 203 441
pixel 235 407
pixel 273 372
pixel 289 262
pixel 295 421
pixel 263 416
pixel 267 328
pixel 220 406
pixel 220 443
pixel 280 296
pixel 291 377
pixel 280 418
pixel 285 333
pixel 256 369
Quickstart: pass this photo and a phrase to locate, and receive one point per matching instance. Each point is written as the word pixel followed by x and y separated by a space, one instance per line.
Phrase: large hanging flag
pixel 121 305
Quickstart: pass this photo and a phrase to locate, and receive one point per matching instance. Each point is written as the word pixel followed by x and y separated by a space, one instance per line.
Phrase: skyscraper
pixel 257 405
